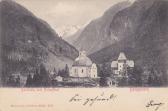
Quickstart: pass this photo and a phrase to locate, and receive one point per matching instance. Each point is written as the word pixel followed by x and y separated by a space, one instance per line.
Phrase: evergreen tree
pixel 62 73
pixel 29 81
pixel 102 81
pixel 43 71
pixel 45 79
pixel 55 71
pixel 37 80
pixel 135 76
pixel 18 80
pixel 154 78
pixel 104 72
pixel 59 72
pixel 150 80
pixel 11 81
pixel 66 71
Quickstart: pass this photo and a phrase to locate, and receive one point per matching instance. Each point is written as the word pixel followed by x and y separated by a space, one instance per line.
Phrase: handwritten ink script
pixel 92 100
pixel 155 105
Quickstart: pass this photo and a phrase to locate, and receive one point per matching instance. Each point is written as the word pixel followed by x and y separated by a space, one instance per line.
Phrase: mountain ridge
pixel 95 35
pixel 27 42
pixel 143 30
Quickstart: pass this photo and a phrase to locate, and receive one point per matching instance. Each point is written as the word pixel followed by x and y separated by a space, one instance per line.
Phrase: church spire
pixel 82 53
pixel 122 56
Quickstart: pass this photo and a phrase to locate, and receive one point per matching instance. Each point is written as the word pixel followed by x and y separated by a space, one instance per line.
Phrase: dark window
pixel 113 83
pixel 60 49
pixel 75 70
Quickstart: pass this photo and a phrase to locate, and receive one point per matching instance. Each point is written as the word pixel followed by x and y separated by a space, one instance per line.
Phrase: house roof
pixel 130 63
pixel 122 56
pixel 114 64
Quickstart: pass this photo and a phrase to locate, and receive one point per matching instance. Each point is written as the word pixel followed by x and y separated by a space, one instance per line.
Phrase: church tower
pixel 122 67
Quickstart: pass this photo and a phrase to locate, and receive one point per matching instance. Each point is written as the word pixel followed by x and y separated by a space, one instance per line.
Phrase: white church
pixel 83 67
pixel 121 65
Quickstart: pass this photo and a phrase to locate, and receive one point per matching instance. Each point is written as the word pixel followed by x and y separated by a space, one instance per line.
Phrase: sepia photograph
pixel 83 55
pixel 84 43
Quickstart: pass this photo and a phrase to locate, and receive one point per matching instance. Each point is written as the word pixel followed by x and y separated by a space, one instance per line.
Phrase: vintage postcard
pixel 83 55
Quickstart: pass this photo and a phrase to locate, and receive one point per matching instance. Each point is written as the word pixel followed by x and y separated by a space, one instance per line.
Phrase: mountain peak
pixel 144 38
pixel 13 7
pixel 66 31
pixel 96 35
pixel 28 41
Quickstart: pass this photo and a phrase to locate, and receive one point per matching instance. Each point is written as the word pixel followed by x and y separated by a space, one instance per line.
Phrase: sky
pixel 63 13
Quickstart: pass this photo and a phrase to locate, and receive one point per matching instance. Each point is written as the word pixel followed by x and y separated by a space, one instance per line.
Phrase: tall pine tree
pixel 66 71
pixel 29 81
pixel 45 79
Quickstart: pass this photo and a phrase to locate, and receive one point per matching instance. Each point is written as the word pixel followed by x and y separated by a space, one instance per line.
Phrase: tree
pixel 55 71
pixel 11 81
pixel 154 78
pixel 103 81
pixel 62 73
pixel 104 72
pixel 135 76
pixel 41 77
pixel 45 79
pixel 29 81
pixel 66 71
pixel 43 71
pixel 36 80
pixel 59 72
pixel 18 80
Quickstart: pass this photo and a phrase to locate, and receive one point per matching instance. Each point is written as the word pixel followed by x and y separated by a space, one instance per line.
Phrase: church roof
pixel 122 56
pixel 82 60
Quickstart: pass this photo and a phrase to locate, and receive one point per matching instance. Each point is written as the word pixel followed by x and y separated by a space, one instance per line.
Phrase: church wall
pixel 74 72
pixel 78 71
pixel 82 71
pixel 93 71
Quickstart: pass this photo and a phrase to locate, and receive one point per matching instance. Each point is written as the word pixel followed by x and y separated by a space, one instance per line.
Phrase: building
pixel 111 82
pixel 19 77
pixel 83 67
pixel 58 79
pixel 121 65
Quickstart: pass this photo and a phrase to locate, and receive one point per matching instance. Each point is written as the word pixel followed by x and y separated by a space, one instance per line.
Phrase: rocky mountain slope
pixel 72 38
pixel 142 29
pixel 68 30
pixel 27 41
pixel 96 35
